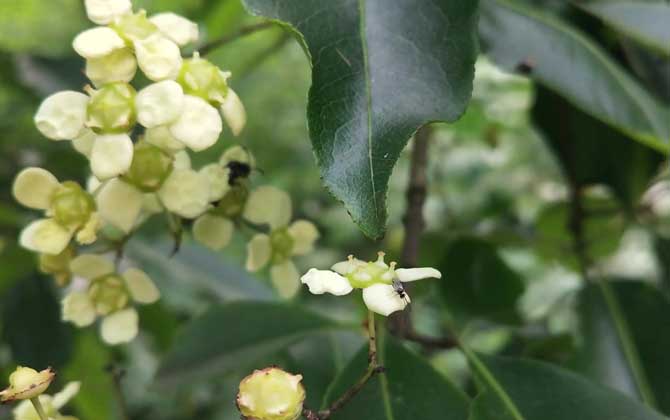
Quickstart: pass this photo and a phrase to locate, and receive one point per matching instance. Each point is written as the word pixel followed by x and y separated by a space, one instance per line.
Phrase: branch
pixel 373 369
pixel 245 30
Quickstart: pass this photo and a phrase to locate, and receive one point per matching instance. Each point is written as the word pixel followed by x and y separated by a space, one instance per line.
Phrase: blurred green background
pixel 496 215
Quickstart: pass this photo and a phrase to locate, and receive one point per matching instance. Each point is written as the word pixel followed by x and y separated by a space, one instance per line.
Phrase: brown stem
pixel 246 30
pixel 373 369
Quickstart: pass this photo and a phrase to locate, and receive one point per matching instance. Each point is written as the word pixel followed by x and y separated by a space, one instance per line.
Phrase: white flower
pixel 103 12
pixel 97 42
pixel 62 115
pixel 198 126
pixel 159 103
pixel 271 206
pixel 158 57
pixel 107 295
pixel 118 66
pixel 69 207
pixel 177 28
pixel 111 155
pixel 186 193
pixel 382 284
pixel 232 110
pixel 51 404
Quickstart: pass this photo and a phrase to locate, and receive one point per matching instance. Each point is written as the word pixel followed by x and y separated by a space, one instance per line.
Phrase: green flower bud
pixel 201 78
pixel 135 26
pixel 108 294
pixel 71 205
pixel 150 167
pixel 271 394
pixel 282 245
pixel 232 204
pixel 112 108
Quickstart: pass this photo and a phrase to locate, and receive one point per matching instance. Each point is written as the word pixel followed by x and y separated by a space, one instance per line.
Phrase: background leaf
pixel 379 73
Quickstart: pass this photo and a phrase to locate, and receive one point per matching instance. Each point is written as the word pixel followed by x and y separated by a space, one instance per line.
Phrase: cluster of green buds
pixel 138 140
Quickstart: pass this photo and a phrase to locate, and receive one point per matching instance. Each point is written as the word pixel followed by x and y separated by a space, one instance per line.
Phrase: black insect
pixel 399 289
pixel 238 170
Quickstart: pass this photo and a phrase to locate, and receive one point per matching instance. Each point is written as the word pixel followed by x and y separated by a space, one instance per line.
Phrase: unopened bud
pixel 150 167
pixel 112 108
pixel 271 394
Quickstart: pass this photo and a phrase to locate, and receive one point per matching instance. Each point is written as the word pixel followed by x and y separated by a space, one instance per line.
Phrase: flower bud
pixel 71 205
pixel 203 79
pixel 118 66
pixel 271 394
pixel 158 57
pixel 135 26
pixel 159 103
pixel 185 193
pixel 108 294
pixel 97 42
pixel 177 28
pixel 111 108
pixel 199 125
pixel 26 383
pixel 104 12
pixel 62 115
pixel 150 167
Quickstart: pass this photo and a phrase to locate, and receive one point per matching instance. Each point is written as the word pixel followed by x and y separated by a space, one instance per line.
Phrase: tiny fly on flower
pixel 399 290
pixel 237 170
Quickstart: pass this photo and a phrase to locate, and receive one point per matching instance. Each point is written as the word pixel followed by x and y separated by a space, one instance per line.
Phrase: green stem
pixel 38 407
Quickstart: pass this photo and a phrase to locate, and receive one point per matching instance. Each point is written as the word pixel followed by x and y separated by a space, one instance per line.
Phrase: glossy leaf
pixel 602 354
pixel 409 389
pixel 646 23
pixel 378 74
pixel 477 283
pixel 519 36
pixel 516 389
pixel 228 336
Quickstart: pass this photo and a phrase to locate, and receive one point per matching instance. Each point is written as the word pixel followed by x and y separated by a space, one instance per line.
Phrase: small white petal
pixel 62 115
pixel 103 12
pixel 259 252
pixel 97 42
pixel 119 204
pixel 118 66
pixel 33 187
pixel 286 279
pixel 163 139
pixel 214 232
pixel 413 274
pixel 186 193
pixel 179 29
pixel 348 266
pixel 158 57
pixel 326 281
pixel 237 154
pixel 199 125
pixel 120 327
pixel 268 205
pixel 304 235
pixel 142 289
pixel 66 394
pixel 111 156
pixel 91 266
pixel 383 299
pixel 92 184
pixel 182 160
pixel 78 309
pixel 159 103
pixel 233 112
pixel 45 236
pixel 217 177
pixel 84 143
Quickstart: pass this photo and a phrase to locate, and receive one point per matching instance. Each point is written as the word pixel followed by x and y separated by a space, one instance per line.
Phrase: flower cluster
pixel 138 142
pixel 383 292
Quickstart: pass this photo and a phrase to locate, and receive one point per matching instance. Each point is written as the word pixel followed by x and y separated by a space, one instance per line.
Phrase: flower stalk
pixel 38 407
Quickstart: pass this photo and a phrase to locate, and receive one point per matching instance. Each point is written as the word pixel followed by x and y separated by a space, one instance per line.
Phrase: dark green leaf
pixel 567 62
pixel 228 336
pixel 646 23
pixel 478 283
pixel 32 324
pixel 516 389
pixel 409 389
pixel 643 368
pixel 379 73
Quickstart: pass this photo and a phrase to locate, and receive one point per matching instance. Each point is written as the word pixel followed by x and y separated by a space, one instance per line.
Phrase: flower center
pixel 112 108
pixel 282 245
pixel 135 27
pixel 199 77
pixel 108 294
pixel 150 167
pixel 71 205
pixel 376 272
